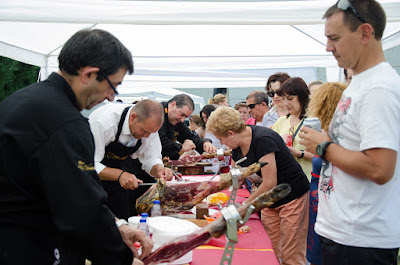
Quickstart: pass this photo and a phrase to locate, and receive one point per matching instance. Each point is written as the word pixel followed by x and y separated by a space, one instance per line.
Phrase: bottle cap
pixel 144 215
pixel 156 201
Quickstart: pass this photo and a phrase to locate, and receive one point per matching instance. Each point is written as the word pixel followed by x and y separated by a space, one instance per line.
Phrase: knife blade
pixel 146 184
pixel 176 175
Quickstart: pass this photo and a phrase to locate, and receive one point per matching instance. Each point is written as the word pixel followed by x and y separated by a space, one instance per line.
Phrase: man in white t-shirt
pixel 359 198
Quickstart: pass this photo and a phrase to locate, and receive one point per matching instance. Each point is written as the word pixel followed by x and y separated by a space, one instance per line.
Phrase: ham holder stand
pixel 231 216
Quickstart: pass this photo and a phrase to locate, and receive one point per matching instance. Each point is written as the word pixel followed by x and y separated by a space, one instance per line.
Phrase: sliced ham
pixel 184 195
pixel 178 247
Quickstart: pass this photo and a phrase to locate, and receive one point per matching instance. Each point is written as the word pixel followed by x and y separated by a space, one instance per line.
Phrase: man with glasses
pixel 359 198
pixel 176 137
pixel 257 103
pixel 52 204
pixel 128 151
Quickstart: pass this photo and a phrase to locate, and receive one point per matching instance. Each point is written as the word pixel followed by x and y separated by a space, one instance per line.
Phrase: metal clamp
pixel 231 216
pixel 235 173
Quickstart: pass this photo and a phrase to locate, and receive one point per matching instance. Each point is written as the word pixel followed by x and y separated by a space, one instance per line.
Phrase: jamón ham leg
pixel 182 196
pixel 178 247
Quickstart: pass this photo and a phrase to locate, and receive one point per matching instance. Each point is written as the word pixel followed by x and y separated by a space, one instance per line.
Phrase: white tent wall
pixel 186 44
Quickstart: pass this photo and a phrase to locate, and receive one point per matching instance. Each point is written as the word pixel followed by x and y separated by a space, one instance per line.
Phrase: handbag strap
pixel 298 129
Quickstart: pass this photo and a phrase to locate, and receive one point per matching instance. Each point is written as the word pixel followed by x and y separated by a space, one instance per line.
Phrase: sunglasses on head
pixel 346 5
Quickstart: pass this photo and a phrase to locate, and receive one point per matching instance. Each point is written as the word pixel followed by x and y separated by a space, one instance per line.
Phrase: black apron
pixel 120 201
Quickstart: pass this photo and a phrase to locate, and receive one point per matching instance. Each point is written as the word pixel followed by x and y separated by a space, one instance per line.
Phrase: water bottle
pixel 156 209
pixel 145 216
pixel 144 227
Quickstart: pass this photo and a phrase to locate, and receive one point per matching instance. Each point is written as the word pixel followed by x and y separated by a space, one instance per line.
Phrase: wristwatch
pixel 121 222
pixel 321 148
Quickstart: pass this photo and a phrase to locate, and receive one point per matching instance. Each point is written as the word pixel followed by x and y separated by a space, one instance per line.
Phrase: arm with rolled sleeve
pixel 149 153
pixel 186 133
pixel 76 198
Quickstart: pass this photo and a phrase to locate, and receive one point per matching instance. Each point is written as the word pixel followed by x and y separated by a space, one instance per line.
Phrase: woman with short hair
pixel 286 222
pixel 295 94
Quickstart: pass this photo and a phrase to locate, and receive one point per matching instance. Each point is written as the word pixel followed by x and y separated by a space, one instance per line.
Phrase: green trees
pixel 15 75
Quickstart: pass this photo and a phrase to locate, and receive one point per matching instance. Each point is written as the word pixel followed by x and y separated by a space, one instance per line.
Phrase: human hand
pixel 188 153
pixel 158 171
pixel 129 181
pixel 131 235
pixel 296 153
pixel 137 262
pixel 166 174
pixel 311 138
pixel 209 148
pixel 187 146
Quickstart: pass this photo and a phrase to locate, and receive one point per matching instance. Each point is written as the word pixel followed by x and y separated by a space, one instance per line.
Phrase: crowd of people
pixel 68 184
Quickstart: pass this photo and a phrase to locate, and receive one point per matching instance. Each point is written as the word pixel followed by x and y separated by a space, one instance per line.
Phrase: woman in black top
pixel 287 220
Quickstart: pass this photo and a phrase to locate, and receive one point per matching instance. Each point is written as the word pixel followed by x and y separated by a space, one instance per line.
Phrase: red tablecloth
pixel 254 247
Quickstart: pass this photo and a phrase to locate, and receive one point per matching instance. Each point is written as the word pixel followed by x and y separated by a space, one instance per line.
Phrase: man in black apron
pixel 128 151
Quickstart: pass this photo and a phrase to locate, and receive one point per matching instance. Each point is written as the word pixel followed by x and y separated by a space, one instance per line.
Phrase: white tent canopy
pixel 128 94
pixel 183 43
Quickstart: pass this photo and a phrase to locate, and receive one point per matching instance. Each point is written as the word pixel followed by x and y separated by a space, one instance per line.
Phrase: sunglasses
pixel 109 82
pixel 346 5
pixel 271 93
pixel 252 106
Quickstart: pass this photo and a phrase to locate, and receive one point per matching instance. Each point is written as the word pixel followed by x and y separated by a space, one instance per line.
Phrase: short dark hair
pixel 183 100
pixel 370 10
pixel 96 48
pixel 296 86
pixel 277 77
pixel 259 96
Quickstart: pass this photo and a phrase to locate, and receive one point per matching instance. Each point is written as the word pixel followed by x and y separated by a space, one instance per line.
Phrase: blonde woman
pixel 219 99
pixel 287 221
pixel 322 105
pixel 195 121
pixel 243 110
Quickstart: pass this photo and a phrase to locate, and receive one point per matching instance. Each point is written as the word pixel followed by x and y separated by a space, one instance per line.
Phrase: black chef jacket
pixel 172 137
pixel 50 193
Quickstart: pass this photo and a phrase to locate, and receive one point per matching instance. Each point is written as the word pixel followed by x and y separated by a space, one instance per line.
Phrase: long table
pixel 254 247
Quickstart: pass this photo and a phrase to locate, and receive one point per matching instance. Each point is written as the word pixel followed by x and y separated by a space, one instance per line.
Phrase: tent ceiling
pixel 182 41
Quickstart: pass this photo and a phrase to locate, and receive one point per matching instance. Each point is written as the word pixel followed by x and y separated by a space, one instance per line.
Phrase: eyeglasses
pixel 346 5
pixel 109 82
pixel 183 114
pixel 271 93
pixel 252 106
